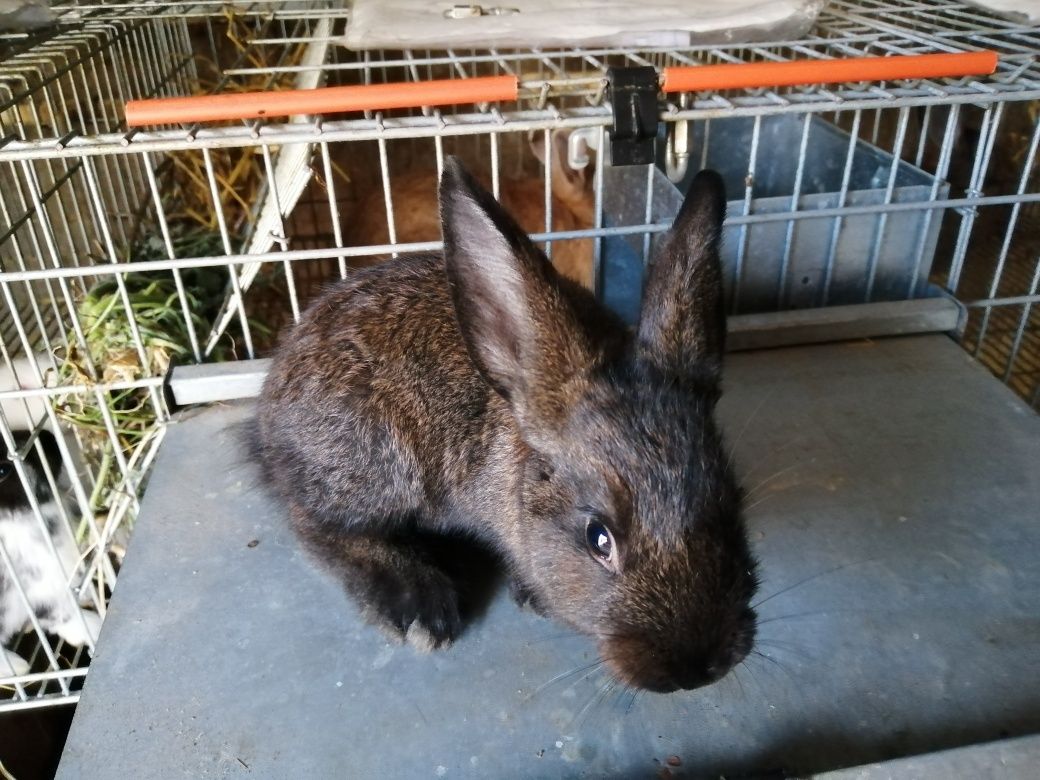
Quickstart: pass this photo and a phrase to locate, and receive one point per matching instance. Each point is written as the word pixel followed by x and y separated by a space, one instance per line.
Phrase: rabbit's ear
pixel 682 329
pixel 520 331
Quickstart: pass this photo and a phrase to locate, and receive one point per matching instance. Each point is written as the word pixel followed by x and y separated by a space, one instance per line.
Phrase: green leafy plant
pixel 112 354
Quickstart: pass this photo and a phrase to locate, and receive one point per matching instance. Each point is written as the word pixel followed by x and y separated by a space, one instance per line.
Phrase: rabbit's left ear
pixel 519 329
pixel 682 329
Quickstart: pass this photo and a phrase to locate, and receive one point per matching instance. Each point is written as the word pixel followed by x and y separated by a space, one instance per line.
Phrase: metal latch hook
pixel 677 151
pixel 579 143
pixel 633 95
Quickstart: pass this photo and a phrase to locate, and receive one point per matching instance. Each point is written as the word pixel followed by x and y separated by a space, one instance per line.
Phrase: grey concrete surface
pixel 894 502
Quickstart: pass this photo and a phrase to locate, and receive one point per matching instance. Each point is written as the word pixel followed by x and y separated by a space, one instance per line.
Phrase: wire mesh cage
pixel 128 251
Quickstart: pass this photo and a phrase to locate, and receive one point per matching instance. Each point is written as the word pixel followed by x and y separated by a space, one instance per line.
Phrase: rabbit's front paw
pixel 420 606
pixel 77 631
pixel 12 664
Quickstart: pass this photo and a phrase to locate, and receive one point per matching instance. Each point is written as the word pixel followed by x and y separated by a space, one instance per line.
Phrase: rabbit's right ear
pixel 520 331
pixel 682 327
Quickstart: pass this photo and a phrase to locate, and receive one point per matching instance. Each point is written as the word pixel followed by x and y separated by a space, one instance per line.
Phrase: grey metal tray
pixel 804 263
pixel 896 474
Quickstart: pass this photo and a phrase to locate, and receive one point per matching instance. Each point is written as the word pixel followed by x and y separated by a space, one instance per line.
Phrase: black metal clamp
pixel 634 96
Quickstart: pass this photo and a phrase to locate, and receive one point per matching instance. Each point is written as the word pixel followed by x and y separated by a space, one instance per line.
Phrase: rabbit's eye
pixel 601 543
pixel 5 471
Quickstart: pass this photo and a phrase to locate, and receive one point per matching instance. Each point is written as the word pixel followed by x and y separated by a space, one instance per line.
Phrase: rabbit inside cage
pixel 185 204
pixel 519 163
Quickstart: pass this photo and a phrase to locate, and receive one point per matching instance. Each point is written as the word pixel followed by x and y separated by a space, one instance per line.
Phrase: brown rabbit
pixel 481 394
pixel 416 219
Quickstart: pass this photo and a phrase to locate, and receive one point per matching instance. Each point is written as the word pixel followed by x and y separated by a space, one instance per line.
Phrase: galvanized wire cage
pixel 127 251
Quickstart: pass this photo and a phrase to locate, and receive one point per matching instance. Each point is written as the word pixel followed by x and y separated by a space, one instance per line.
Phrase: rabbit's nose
pixel 697 675
pixel 660 685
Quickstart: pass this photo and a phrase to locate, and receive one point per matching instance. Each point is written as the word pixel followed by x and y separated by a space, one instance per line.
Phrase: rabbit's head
pixel 12 493
pixel 630 524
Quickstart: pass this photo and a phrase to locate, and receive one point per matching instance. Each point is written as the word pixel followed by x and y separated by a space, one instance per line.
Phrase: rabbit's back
pixel 572 258
pixel 40 575
pixel 416 218
pixel 372 406
pixel 414 200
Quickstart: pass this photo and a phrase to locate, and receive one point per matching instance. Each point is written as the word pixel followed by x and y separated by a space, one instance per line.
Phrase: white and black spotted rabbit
pixel 43 579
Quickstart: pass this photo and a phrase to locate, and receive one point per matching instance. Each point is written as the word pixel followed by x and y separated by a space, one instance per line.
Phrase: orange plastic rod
pixel 805 72
pixel 324 100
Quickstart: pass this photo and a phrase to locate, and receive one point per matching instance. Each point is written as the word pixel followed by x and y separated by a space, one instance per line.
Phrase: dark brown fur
pixel 481 393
